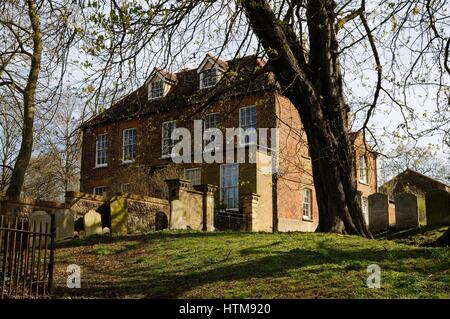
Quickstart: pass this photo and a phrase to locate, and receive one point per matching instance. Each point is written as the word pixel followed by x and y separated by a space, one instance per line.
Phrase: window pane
pixel 102 149
pixel 307 208
pixel 230 186
pixel 129 144
pixel 100 190
pixel 362 169
pixel 247 117
pixel 209 78
pixel 194 175
pixel 167 143
pixel 156 89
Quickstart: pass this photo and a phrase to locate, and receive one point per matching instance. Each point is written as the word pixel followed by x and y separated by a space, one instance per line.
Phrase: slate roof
pixel 185 92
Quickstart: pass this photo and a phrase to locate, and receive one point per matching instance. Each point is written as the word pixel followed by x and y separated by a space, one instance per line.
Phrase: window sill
pixel 207 87
pixel 307 219
pixel 101 166
pixel 155 98
pixel 127 162
pixel 363 183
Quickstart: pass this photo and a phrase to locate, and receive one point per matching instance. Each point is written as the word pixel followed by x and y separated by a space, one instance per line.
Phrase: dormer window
pixel 159 83
pixel 156 89
pixel 210 71
pixel 209 78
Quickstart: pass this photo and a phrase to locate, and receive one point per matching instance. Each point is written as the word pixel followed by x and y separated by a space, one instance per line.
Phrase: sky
pixel 359 77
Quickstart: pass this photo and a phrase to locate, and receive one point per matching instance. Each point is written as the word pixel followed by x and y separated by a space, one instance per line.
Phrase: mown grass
pixel 250 265
pixel 420 236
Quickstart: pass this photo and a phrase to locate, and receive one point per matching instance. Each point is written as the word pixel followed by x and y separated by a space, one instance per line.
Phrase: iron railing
pixel 27 250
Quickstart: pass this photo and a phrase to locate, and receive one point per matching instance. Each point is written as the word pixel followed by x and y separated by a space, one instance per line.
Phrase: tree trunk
pixel 314 86
pixel 29 95
pixel 444 240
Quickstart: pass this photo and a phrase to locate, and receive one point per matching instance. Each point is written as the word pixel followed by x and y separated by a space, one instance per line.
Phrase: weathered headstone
pixel 119 215
pixel 40 222
pixel 406 210
pixel 65 224
pixel 438 207
pixel 378 212
pixel 93 223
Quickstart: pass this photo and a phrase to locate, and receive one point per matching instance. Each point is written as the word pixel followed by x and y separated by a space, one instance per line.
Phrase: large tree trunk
pixel 29 95
pixel 314 86
pixel 444 240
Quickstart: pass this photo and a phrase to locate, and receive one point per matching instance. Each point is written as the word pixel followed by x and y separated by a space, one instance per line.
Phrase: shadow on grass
pixel 418 236
pixel 158 283
pixel 144 238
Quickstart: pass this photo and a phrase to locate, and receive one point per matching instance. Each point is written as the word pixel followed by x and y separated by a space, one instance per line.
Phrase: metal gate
pixel 27 250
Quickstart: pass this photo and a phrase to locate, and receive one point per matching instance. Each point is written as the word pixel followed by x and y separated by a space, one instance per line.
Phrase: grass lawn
pixel 171 264
pixel 420 236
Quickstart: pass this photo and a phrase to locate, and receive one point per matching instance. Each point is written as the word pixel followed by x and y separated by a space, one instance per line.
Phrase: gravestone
pixel 437 204
pixel 406 211
pixel 40 222
pixel 378 212
pixel 93 223
pixel 65 224
pixel 119 215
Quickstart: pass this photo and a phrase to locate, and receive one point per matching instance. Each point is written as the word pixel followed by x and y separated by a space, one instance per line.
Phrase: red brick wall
pixel 295 171
pixel 149 137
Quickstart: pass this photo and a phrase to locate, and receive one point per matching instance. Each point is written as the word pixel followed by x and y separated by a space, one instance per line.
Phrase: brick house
pixel 412 181
pixel 136 130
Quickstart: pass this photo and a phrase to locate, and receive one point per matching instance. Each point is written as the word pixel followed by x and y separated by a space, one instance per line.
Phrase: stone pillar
pixel 208 191
pixel 406 211
pixel 178 193
pixel 437 207
pixel 378 212
pixel 249 208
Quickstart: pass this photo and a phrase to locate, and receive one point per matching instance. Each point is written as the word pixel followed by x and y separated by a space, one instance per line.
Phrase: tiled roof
pixel 185 92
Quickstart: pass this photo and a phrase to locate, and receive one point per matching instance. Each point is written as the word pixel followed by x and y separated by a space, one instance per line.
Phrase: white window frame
pixel 97 165
pixel 241 142
pixel 98 187
pixel 123 186
pixel 362 167
pixel 126 161
pixel 193 182
pixel 207 145
pixel 307 205
pixel 202 76
pixel 151 91
pixel 163 139
pixel 221 185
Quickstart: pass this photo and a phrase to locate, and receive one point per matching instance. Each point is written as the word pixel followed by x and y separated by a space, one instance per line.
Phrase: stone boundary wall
pixel 145 213
pixel 24 206
pixel 141 212
pixel 81 203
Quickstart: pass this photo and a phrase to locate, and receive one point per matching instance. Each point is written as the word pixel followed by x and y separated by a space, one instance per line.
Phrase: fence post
pixel 52 254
